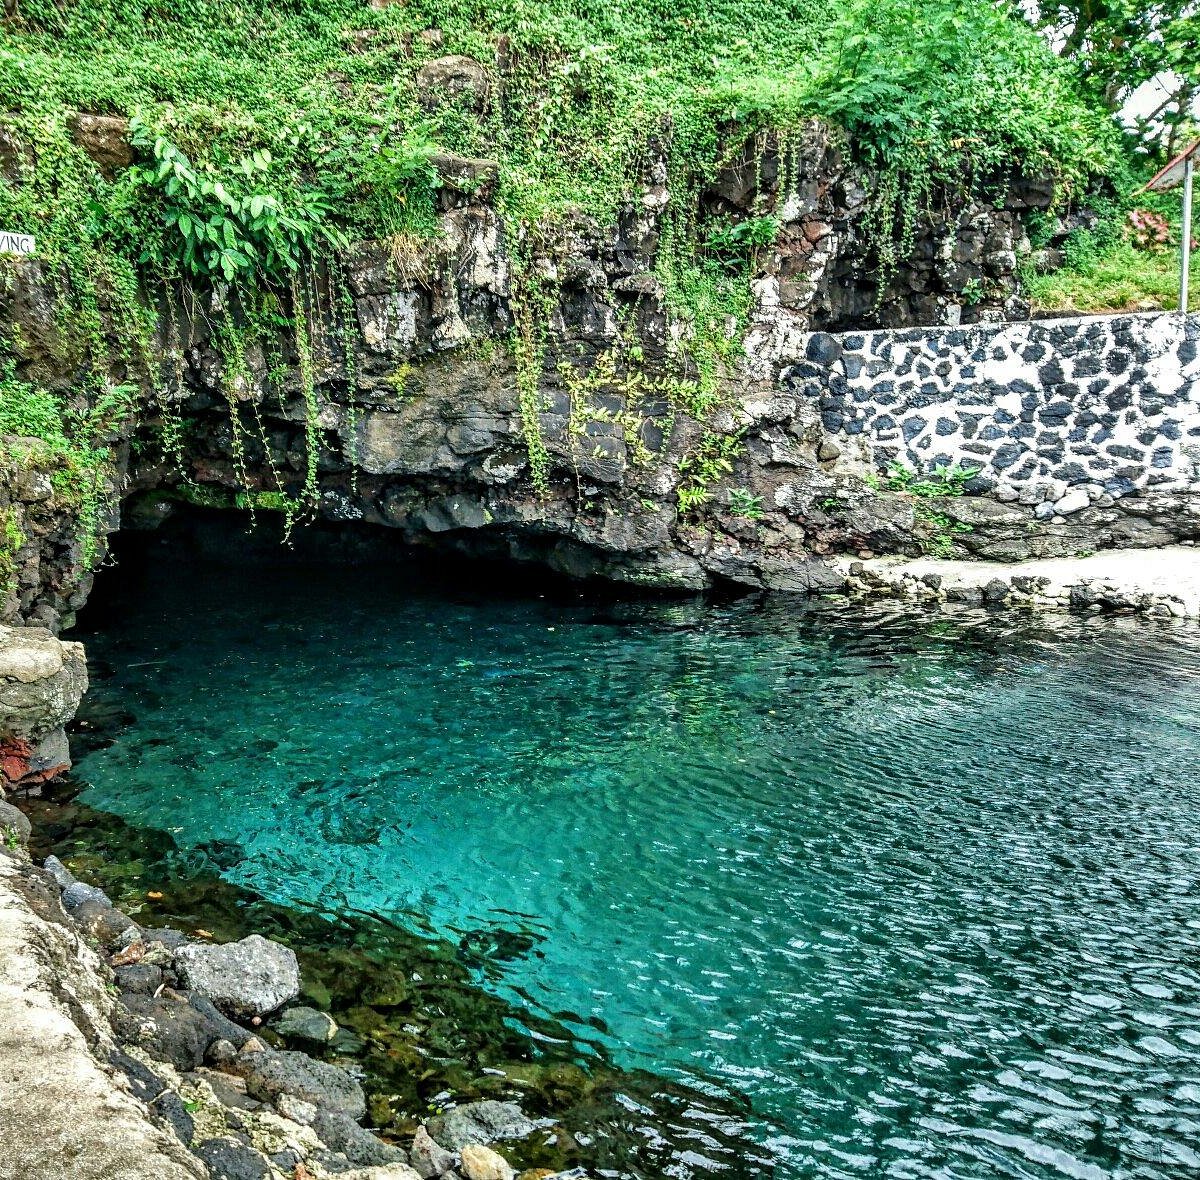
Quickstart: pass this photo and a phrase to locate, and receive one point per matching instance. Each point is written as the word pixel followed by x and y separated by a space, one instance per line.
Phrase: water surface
pixel 926 894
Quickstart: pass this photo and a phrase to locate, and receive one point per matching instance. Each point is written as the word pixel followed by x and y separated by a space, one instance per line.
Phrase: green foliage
pixel 745 504
pixel 753 234
pixel 707 465
pixel 38 426
pixel 307 140
pixel 1113 265
pixel 268 135
pixel 1119 44
pixel 940 531
pixel 11 542
pixel 209 231
pixel 941 481
pixel 928 487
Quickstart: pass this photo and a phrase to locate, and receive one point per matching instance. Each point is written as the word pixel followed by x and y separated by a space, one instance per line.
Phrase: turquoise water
pixel 928 896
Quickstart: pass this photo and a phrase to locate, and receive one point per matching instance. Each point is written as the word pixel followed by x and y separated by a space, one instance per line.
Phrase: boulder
pixel 103 922
pixel 453 80
pixel 227 1159
pixel 14 824
pixel 269 1073
pixel 106 139
pixel 480 1122
pixel 77 894
pixel 428 1158
pixel 42 681
pixel 382 1172
pixel 247 978
pixel 172 1028
pixel 340 1133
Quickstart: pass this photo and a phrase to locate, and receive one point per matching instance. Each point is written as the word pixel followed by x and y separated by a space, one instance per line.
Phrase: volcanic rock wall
pixel 1061 414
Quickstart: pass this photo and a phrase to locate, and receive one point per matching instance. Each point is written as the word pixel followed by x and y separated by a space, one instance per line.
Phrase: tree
pixel 1120 44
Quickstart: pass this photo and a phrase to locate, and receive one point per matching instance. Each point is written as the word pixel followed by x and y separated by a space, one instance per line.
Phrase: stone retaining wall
pixel 1065 413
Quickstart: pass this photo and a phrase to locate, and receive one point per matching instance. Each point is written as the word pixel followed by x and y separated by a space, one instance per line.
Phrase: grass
pixel 1107 269
pixel 1120 279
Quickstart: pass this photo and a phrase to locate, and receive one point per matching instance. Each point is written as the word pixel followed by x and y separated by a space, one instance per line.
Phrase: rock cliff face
pixel 544 396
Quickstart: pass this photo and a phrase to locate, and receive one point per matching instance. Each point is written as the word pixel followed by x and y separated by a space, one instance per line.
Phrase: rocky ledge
pixel 135 1053
pixel 1163 583
pixel 42 681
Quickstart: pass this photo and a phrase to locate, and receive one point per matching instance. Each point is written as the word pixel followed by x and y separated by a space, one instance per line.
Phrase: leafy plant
pixel 216 226
pixel 69 444
pixel 940 481
pixel 751 234
pixel 744 504
pixel 707 465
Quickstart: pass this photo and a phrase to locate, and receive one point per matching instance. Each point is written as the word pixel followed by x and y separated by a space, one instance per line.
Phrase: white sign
pixel 15 243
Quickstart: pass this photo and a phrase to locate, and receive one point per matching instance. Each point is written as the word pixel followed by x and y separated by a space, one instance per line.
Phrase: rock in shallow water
pixel 247 978
pixel 480 1122
pixel 306 1024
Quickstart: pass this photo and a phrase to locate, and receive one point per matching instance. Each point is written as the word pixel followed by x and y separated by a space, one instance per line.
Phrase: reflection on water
pixel 926 895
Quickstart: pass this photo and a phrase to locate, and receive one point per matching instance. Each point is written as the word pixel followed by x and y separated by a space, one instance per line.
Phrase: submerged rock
pixel 306 1024
pixel 480 1122
pixel 247 978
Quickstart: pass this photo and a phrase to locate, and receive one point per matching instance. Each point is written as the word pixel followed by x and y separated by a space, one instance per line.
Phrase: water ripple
pixel 927 895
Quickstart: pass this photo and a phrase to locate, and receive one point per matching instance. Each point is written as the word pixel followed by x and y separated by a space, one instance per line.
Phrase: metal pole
pixel 1186 245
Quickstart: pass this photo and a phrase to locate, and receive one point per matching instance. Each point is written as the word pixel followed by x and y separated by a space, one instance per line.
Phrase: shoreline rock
pixel 42 681
pixel 248 978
